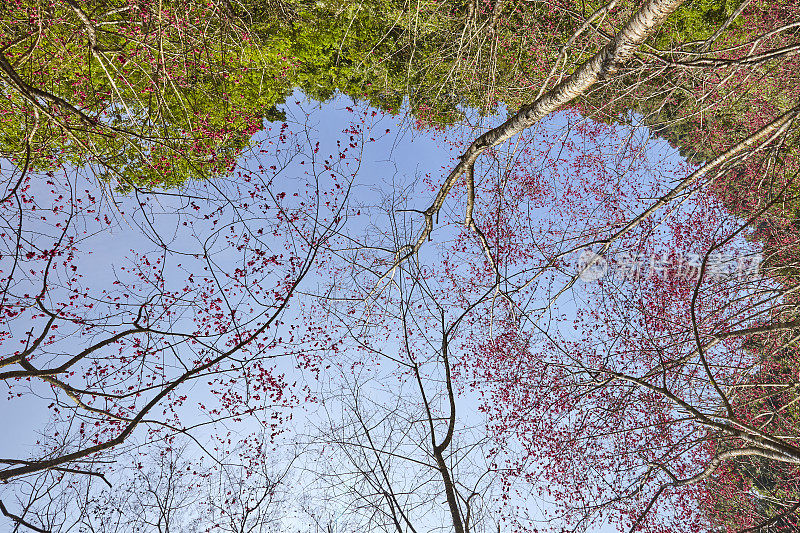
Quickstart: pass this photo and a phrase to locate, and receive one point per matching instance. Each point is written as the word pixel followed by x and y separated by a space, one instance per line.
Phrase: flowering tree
pixel 193 298
pixel 638 418
pixel 662 394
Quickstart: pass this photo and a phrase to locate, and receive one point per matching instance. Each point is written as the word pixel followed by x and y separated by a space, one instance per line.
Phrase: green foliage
pixel 151 104
pixel 178 93
pixel 695 21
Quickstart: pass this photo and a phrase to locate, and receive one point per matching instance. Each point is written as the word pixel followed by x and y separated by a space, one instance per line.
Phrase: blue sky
pixel 393 171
